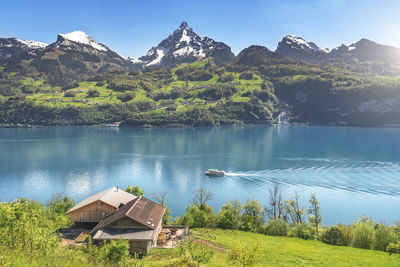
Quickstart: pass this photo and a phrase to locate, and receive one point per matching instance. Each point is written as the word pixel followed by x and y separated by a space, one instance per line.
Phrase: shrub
pixel 277 227
pixel 333 236
pixel 195 252
pixel 100 84
pixel 226 77
pixel 192 74
pixel 70 94
pixel 383 237
pixel 393 248
pixel 363 235
pixel 245 254
pixel 93 93
pixel 115 251
pixel 125 97
pixel 247 75
pixel 347 233
pixel 303 231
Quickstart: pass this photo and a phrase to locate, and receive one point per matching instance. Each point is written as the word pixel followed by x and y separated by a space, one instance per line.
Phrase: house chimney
pixel 117 188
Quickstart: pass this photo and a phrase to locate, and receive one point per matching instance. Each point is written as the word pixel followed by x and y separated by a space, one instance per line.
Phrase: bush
pixel 245 254
pixel 347 234
pixel 192 74
pixel 383 237
pixel 226 77
pixel 363 235
pixel 93 93
pixel 247 75
pixel 100 84
pixel 303 231
pixel 393 248
pixel 125 97
pixel 333 236
pixel 115 251
pixel 277 227
pixel 69 94
pixel 195 253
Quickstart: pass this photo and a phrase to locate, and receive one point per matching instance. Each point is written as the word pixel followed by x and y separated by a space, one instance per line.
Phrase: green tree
pixel 136 190
pixel 197 218
pixel 384 235
pixel 229 216
pixel 253 216
pixel 245 254
pixel 363 235
pixel 314 212
pixel 60 204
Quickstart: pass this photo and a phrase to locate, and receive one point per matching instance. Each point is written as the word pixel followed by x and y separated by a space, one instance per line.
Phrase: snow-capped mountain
pixel 12 47
pixel 78 40
pixel 72 56
pixel 298 49
pixel 184 45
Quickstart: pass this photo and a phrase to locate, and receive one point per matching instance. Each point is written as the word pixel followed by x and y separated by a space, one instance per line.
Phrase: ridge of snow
pixel 160 52
pixel 83 38
pixel 133 60
pixel 293 39
pixel 33 44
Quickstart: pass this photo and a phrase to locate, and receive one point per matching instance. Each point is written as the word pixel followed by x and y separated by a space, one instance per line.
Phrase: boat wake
pixel 363 176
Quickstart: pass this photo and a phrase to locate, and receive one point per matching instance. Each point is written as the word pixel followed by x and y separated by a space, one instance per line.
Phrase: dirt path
pixel 218 247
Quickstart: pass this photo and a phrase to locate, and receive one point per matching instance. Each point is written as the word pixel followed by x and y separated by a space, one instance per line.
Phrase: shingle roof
pixel 112 196
pixel 141 210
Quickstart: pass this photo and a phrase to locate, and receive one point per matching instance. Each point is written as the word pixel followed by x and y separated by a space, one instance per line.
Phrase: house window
pixel 101 203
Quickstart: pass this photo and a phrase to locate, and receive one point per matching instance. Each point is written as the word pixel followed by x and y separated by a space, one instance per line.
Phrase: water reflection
pixel 358 164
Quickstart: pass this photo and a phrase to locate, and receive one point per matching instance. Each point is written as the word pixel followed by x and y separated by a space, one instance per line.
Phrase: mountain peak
pixel 184 25
pixel 184 45
pixel 299 43
pixel 81 38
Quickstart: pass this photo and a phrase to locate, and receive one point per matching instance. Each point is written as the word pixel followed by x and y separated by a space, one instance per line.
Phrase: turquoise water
pixel 353 171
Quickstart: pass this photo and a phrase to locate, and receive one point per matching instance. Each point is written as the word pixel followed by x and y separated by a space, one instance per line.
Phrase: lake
pixel 353 171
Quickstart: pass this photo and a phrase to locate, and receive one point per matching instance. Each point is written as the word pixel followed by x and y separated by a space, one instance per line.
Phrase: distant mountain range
pixel 79 81
pixel 77 55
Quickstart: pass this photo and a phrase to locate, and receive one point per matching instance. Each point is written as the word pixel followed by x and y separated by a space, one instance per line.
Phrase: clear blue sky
pixel 132 27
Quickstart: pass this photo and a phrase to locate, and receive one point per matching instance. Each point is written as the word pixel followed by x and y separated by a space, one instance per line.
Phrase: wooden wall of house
pixel 94 212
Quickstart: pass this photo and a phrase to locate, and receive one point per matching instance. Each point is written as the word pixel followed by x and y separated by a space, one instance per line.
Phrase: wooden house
pixel 139 221
pixel 94 208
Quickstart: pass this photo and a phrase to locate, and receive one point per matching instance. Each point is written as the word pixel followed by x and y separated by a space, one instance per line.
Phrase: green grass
pixel 282 251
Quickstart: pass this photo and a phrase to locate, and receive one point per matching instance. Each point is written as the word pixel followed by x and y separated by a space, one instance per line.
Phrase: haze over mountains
pixel 75 54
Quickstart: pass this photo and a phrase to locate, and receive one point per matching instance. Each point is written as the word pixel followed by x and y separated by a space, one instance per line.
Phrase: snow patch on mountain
pixel 33 44
pixel 83 38
pixel 294 40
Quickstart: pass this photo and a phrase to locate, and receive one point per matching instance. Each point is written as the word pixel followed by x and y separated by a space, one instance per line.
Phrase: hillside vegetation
pixel 202 94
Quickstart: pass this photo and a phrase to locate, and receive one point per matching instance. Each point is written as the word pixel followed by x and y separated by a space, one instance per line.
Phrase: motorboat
pixel 213 172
